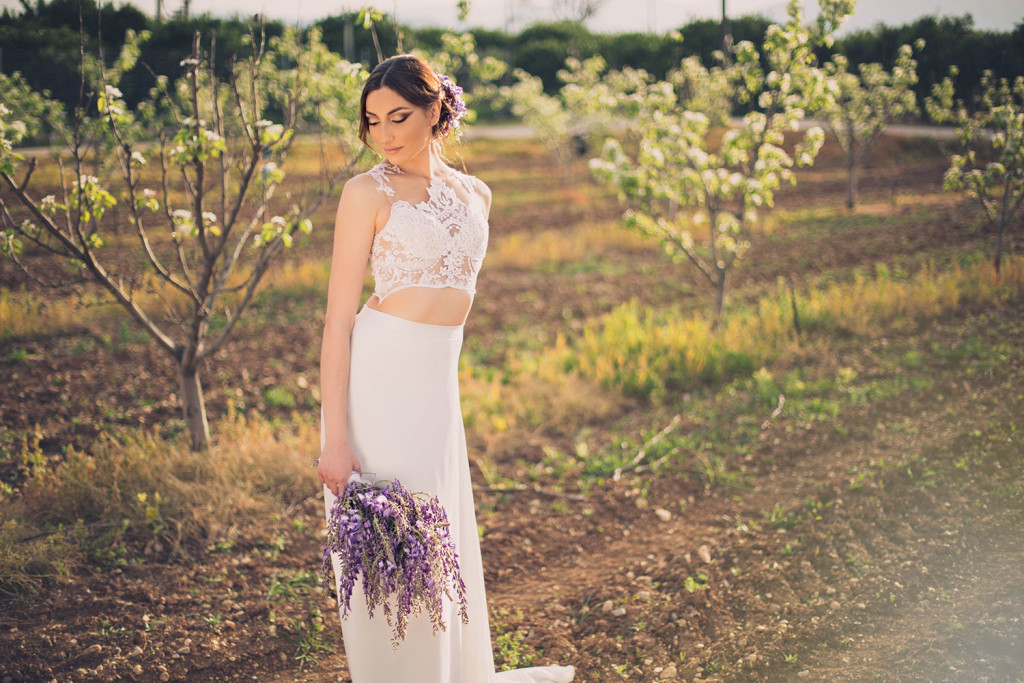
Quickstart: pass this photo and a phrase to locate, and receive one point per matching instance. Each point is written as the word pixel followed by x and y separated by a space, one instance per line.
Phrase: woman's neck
pixel 426 164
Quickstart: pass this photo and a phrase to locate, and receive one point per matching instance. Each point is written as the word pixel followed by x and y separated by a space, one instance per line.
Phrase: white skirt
pixel 405 423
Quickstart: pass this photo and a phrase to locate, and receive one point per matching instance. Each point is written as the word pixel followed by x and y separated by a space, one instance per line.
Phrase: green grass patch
pixel 135 491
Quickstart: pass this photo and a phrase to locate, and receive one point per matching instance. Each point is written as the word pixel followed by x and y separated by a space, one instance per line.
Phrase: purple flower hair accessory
pixel 452 94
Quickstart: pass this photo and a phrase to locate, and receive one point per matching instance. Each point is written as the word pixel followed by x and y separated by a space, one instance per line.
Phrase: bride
pixel 389 370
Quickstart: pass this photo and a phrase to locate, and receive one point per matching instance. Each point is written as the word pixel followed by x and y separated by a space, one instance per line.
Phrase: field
pixel 657 500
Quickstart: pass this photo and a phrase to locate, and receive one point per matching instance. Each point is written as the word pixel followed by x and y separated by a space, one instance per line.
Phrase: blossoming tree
pixel 197 168
pixel 991 167
pixel 675 164
pixel 477 74
pixel 865 103
pixel 591 104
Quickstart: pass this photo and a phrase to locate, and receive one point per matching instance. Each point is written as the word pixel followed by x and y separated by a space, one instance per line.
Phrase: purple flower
pixel 452 94
pixel 399 544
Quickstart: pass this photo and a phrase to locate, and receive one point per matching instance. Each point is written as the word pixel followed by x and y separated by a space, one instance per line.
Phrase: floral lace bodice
pixel 438 242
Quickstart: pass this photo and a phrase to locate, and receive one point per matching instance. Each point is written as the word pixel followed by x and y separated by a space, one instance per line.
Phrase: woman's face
pixel 399 129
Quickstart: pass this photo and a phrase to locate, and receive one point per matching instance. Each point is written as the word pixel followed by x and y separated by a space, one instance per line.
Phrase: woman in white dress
pixel 389 371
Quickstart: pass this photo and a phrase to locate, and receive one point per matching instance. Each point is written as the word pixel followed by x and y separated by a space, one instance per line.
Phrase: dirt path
pixel 915 573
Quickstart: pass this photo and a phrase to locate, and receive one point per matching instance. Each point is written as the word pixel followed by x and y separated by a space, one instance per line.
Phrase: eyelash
pixel 374 123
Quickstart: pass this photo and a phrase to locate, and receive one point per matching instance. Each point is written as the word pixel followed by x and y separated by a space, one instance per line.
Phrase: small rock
pixel 834 605
pixel 186 650
pixel 643 595
pixel 607 606
pixel 861 605
pixel 164 676
pixel 136 651
pixel 93 649
pixel 669 674
pixel 641 503
pixel 804 674
pixel 137 669
pixel 619 612
pixel 663 514
pixel 704 553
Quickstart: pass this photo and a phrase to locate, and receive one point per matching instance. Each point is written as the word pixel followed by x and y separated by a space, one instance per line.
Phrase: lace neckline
pixel 438 183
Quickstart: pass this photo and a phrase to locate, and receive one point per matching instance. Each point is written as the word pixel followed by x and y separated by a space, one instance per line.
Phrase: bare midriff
pixel 428 305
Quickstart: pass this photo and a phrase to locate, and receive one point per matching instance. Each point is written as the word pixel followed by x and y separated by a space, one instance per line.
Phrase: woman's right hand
pixel 336 466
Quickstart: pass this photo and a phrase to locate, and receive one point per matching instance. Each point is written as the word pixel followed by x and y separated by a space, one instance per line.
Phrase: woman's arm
pixel 353 234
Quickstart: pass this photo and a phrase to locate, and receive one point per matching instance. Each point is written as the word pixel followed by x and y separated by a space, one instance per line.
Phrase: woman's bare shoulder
pixel 362 185
pixel 482 189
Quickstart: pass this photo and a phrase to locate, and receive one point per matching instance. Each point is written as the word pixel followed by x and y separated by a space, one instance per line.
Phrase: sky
pixel 612 15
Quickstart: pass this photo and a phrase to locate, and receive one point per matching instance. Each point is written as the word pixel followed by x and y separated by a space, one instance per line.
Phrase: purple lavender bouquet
pixel 398 543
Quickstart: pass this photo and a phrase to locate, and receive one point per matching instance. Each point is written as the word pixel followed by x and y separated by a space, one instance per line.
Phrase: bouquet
pixel 398 543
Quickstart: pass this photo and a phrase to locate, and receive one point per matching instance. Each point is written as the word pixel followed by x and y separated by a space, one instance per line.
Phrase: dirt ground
pixel 884 544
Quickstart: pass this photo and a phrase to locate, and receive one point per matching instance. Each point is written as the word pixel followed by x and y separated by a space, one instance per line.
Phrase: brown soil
pixel 897 552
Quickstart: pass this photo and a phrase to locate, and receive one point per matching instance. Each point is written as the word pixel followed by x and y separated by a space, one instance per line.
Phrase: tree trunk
pixel 719 297
pixel 999 244
pixel 194 408
pixel 851 168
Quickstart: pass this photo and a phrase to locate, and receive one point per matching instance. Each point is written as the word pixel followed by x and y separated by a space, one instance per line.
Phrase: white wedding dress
pixel 405 423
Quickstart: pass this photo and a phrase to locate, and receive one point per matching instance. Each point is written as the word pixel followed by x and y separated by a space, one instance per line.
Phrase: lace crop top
pixel 438 242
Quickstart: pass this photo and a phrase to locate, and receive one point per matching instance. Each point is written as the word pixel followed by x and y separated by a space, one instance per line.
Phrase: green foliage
pixel 145 493
pixel 477 74
pixel 288 82
pixel 590 105
pixel 674 166
pixel 865 103
pixel 654 354
pixel 948 40
pixel 990 168
pixel 511 651
pixel 542 48
pixel 32 112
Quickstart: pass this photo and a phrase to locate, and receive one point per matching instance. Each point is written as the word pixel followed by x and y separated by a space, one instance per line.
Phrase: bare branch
pixel 28 173
pixel 272 249
pixel 642 453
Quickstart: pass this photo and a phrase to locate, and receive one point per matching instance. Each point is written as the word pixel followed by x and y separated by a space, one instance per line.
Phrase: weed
pixel 512 651
pixel 14 356
pixel 311 642
pixel 173 499
pixel 279 397
pixel 696 582
pixel 716 473
pixel 291 585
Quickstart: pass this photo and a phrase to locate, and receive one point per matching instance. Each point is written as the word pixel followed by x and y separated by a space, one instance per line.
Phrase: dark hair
pixel 413 79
